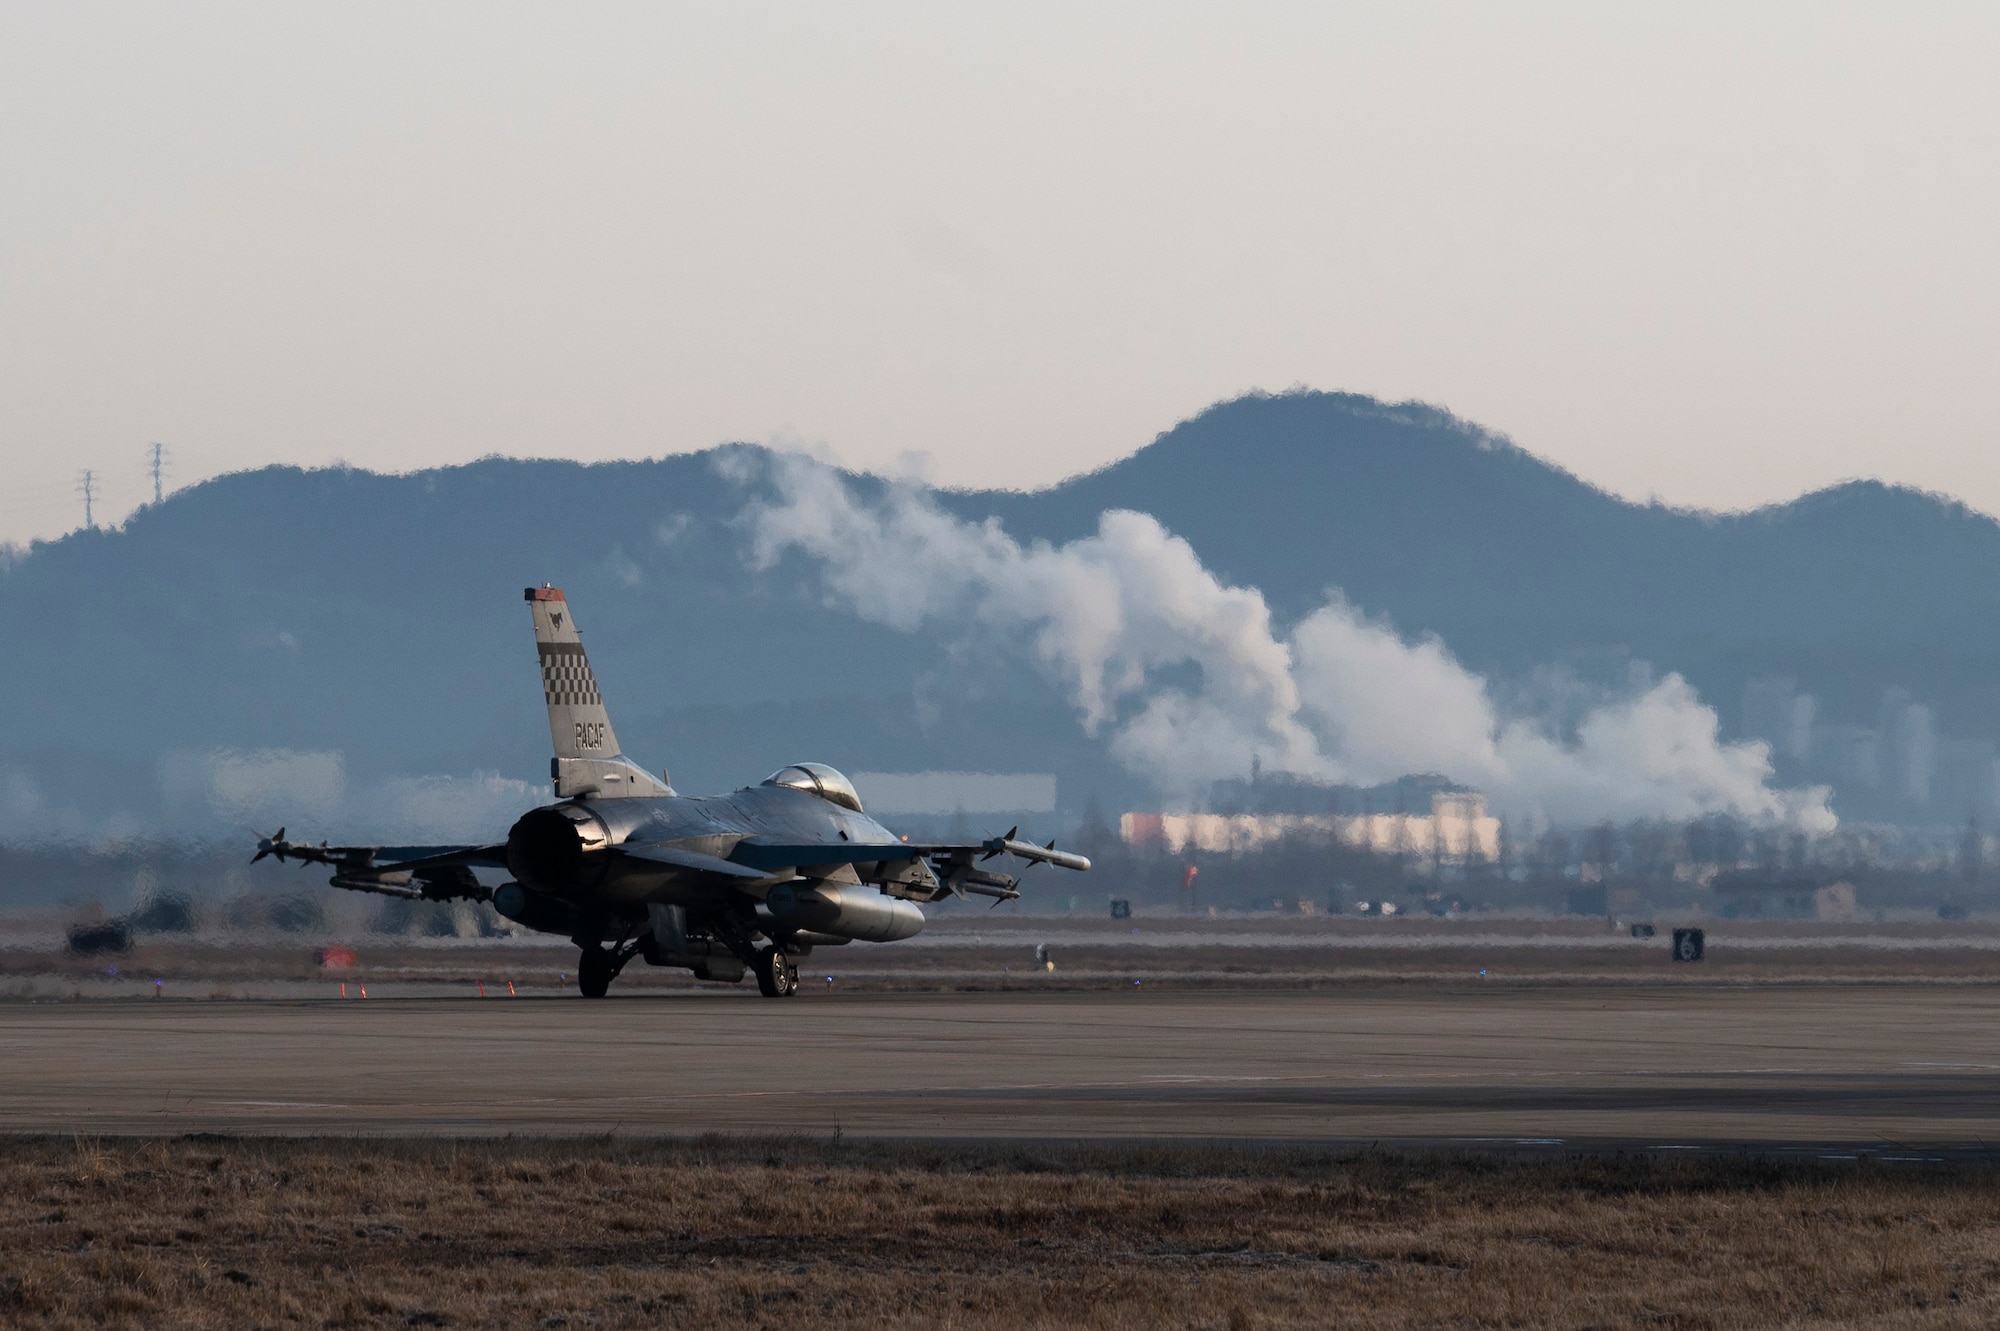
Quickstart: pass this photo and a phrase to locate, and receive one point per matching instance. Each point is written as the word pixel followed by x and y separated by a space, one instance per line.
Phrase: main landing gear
pixel 594 972
pixel 599 965
pixel 777 977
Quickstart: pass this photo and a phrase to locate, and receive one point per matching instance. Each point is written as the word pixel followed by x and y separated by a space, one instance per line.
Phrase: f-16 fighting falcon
pixel 627 868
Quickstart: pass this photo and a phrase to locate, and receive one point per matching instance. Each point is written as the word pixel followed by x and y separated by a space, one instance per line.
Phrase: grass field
pixel 242 1232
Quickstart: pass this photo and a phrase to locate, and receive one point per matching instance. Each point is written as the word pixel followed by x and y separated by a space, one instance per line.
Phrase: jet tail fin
pixel 588 761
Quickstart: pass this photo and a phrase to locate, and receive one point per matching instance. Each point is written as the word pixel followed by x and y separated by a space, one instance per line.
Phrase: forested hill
pixel 380 616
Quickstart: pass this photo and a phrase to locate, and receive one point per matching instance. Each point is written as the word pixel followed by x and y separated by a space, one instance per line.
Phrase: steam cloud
pixel 263 788
pixel 1341 697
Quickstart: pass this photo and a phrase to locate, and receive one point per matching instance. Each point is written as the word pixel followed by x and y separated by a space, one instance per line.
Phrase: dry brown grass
pixel 244 1232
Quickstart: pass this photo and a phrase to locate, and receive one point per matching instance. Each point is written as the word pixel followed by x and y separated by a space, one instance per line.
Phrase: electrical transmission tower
pixel 159 466
pixel 86 485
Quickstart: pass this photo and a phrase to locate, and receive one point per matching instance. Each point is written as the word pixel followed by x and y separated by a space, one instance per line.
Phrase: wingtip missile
pixel 1028 850
pixel 998 845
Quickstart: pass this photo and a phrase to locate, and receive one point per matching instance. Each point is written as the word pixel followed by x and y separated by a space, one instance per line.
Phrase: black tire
pixel 593 973
pixel 777 977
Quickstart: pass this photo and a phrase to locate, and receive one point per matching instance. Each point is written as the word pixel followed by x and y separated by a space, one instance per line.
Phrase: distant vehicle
pixel 625 867
pixel 110 936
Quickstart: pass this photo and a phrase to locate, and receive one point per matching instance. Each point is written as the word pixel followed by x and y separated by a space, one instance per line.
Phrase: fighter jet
pixel 625 867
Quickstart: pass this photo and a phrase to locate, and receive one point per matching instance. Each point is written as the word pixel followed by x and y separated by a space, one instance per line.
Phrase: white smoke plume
pixel 309 793
pixel 27 816
pixel 1119 618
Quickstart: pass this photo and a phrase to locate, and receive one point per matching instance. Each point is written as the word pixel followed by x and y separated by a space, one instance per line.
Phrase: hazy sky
pixel 1720 254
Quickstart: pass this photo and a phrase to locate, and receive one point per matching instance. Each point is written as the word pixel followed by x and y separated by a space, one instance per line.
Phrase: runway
pixel 1832 1068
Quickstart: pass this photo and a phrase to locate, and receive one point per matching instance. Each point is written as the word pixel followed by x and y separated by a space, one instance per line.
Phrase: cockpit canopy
pixel 818 779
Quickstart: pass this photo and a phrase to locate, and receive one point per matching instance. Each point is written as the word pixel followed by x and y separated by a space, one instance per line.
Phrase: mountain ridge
pixel 307 609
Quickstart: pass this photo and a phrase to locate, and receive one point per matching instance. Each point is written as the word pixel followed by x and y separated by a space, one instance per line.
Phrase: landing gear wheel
pixel 594 972
pixel 777 977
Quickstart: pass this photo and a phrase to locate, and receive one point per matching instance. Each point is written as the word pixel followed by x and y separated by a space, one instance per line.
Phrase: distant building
pixel 1776 712
pixel 1457 829
pixel 1909 744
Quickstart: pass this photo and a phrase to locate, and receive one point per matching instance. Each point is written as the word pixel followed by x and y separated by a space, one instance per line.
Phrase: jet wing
pixel 1020 850
pixel 693 859
pixel 771 856
pixel 928 870
pixel 442 872
pixel 440 857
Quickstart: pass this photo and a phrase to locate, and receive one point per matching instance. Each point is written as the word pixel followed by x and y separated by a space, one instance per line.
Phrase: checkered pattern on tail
pixel 566 677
